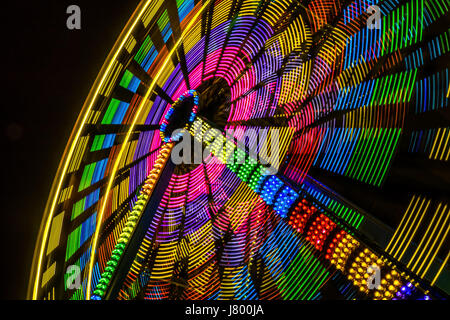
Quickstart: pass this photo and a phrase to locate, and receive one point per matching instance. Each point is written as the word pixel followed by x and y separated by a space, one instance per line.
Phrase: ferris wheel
pixel 247 149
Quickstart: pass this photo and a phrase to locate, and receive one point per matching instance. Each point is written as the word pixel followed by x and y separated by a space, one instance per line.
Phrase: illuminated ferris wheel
pixel 324 136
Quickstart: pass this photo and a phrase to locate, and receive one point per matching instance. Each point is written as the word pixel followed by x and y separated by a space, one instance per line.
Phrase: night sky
pixel 48 72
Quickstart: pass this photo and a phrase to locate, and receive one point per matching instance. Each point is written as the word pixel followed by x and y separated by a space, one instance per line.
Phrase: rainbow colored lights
pixel 359 114
pixel 169 115
pixel 132 220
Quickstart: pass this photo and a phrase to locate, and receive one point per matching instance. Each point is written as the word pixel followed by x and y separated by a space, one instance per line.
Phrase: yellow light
pixel 401 227
pixel 440 269
pixel 92 96
pixel 414 231
pixel 436 250
pixel 427 238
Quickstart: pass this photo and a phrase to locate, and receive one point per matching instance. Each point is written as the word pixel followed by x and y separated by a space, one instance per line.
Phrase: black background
pixel 48 71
